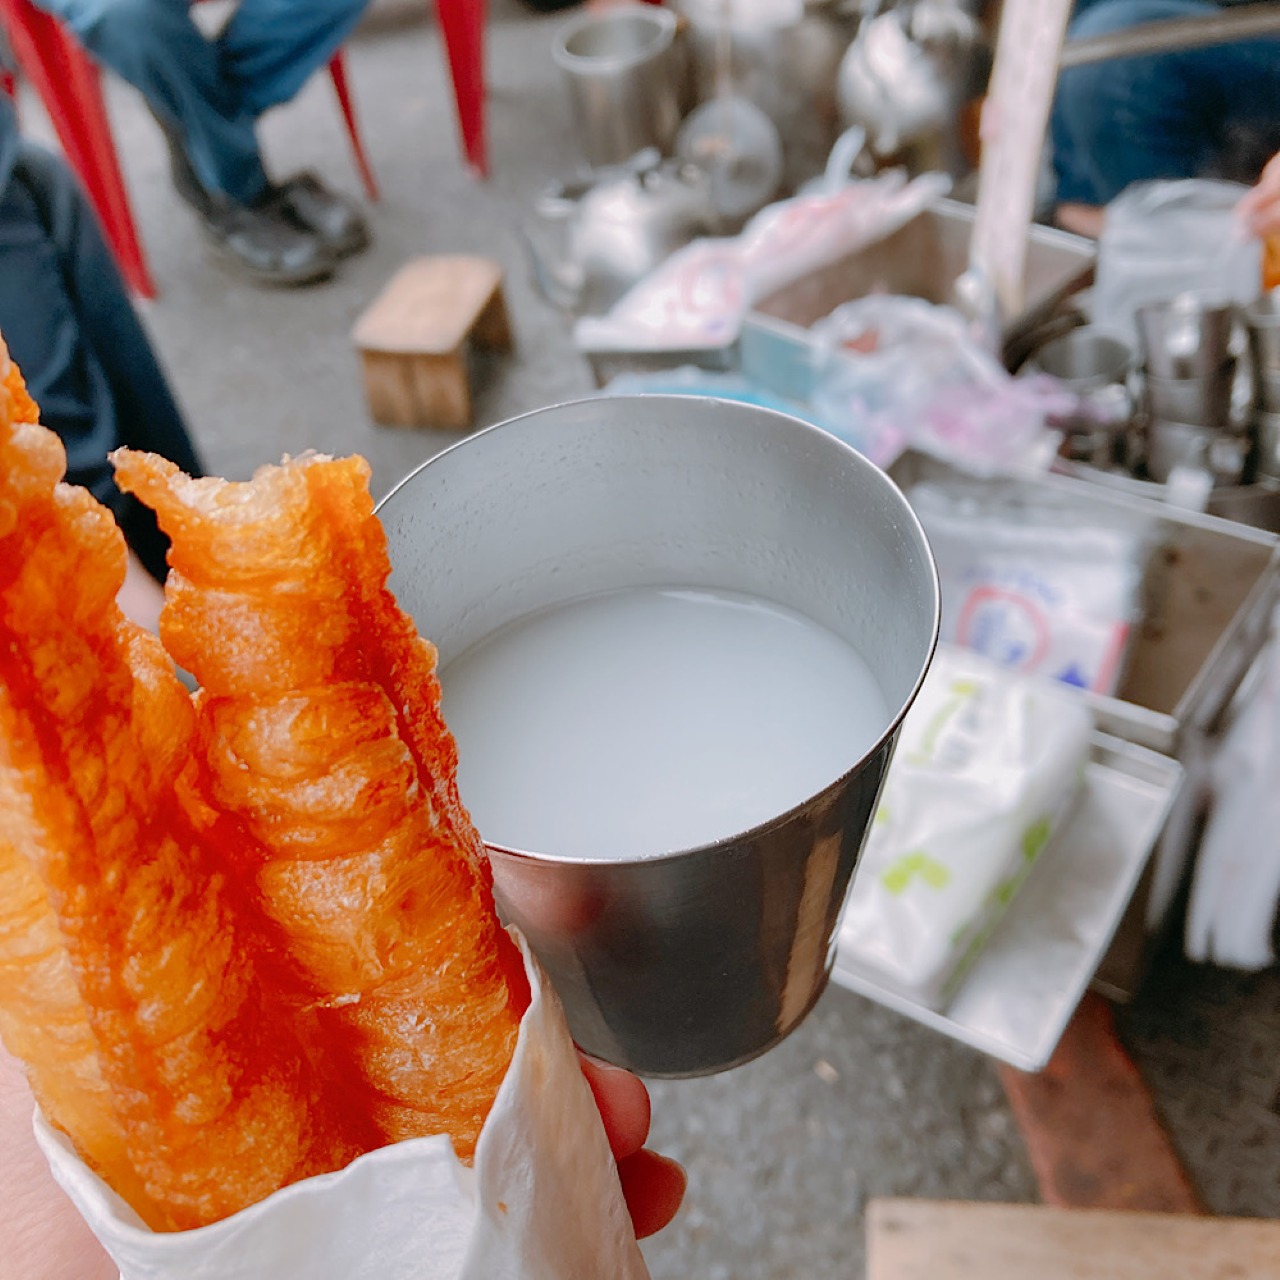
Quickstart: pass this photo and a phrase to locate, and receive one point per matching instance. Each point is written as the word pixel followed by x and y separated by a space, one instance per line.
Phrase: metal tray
pixel 924 259
pixel 1210 589
pixel 1016 1001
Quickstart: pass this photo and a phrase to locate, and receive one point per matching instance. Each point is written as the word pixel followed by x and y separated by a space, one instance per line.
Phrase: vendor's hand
pixel 1260 208
pixel 652 1184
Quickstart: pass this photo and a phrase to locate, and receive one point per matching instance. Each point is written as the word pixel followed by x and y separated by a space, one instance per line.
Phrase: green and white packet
pixel 987 765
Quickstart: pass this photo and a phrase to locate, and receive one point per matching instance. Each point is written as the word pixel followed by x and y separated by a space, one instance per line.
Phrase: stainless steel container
pixel 1268 425
pixel 1188 336
pixel 1095 367
pixel 685 962
pixel 1263 318
pixel 1086 359
pixel 626 80
pixel 1269 391
pixel 1205 401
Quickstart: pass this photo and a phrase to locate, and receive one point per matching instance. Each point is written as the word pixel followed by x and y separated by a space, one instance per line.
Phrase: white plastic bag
pixel 985 769
pixel 1040 586
pixel 696 299
pixel 1235 891
pixel 1160 239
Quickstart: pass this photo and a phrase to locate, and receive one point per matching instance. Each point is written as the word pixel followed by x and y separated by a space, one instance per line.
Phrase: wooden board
pixel 927 1240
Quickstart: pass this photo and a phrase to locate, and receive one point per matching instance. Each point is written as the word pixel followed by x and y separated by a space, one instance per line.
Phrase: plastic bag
pixel 1040 587
pixel 1161 239
pixel 696 299
pixel 985 770
pixel 896 372
pixel 1235 891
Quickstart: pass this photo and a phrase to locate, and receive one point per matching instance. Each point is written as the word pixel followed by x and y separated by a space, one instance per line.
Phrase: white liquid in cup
pixel 645 721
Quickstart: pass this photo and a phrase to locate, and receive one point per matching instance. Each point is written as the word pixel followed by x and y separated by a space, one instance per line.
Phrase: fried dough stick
pixel 216 1098
pixel 43 1020
pixel 320 730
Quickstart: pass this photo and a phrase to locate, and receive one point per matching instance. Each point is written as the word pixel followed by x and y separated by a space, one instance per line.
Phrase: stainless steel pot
pixel 689 962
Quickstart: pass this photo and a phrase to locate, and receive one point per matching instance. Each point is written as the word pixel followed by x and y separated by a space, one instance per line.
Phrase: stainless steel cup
pixel 688 962
pixel 1095 367
pixel 1263 318
pixel 1269 391
pixel 1206 401
pixel 1268 425
pixel 1189 336
pixel 626 80
pixel 1086 359
pixel 1226 456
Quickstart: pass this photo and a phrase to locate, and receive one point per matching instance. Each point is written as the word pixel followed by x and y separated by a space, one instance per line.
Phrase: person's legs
pixel 72 330
pixel 270 47
pixel 1165 115
pixel 217 167
pixel 157 48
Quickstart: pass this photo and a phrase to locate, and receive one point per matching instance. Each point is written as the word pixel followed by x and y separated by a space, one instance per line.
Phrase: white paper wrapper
pixel 987 763
pixel 542 1201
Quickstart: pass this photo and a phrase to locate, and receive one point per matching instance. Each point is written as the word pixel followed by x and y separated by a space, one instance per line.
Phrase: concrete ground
pixel 783 1153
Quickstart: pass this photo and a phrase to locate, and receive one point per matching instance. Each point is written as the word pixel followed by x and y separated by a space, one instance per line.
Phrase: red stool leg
pixel 462 23
pixel 338 73
pixel 69 85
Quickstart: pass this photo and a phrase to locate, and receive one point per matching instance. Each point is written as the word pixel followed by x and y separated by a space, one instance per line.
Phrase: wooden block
pixel 924 1240
pixel 412 339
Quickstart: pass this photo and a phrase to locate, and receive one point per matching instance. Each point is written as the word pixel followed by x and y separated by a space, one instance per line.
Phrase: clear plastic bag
pixel 1161 239
pixel 896 372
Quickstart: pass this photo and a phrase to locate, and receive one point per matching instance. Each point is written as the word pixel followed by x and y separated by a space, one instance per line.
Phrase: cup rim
pixel 663 20
pixel 895 719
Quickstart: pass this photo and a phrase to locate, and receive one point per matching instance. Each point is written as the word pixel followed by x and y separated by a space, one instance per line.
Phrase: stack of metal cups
pixel 1264 331
pixel 1199 389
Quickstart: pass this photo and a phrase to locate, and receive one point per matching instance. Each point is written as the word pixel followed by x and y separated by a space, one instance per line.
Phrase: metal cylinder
pixel 625 78
pixel 687 962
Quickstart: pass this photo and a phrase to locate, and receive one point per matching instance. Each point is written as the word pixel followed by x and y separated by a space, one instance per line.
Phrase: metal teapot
pixel 595 237
pixel 905 75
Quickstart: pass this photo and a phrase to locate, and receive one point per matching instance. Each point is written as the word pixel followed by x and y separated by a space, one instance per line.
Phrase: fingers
pixel 652 1184
pixel 1260 207
pixel 654 1187
pixel 623 1102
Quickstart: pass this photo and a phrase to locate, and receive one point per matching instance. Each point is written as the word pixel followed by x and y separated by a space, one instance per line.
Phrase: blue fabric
pixel 69 324
pixel 1166 115
pixel 212 91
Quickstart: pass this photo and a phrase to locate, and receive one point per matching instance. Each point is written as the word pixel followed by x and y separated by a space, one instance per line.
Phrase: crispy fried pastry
pixel 210 1084
pixel 320 732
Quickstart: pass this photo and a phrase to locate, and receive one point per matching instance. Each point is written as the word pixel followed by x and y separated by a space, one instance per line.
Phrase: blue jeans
pixel 1167 115
pixel 73 332
pixel 212 91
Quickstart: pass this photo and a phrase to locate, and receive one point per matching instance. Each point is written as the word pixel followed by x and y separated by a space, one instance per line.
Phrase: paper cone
pixel 542 1201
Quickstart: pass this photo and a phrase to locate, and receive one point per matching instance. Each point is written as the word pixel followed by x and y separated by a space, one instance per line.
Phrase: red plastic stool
pixel 70 87
pixel 462 25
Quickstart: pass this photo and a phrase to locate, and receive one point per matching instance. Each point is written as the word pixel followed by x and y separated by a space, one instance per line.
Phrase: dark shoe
pixel 266 246
pixel 337 222
pixel 259 240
